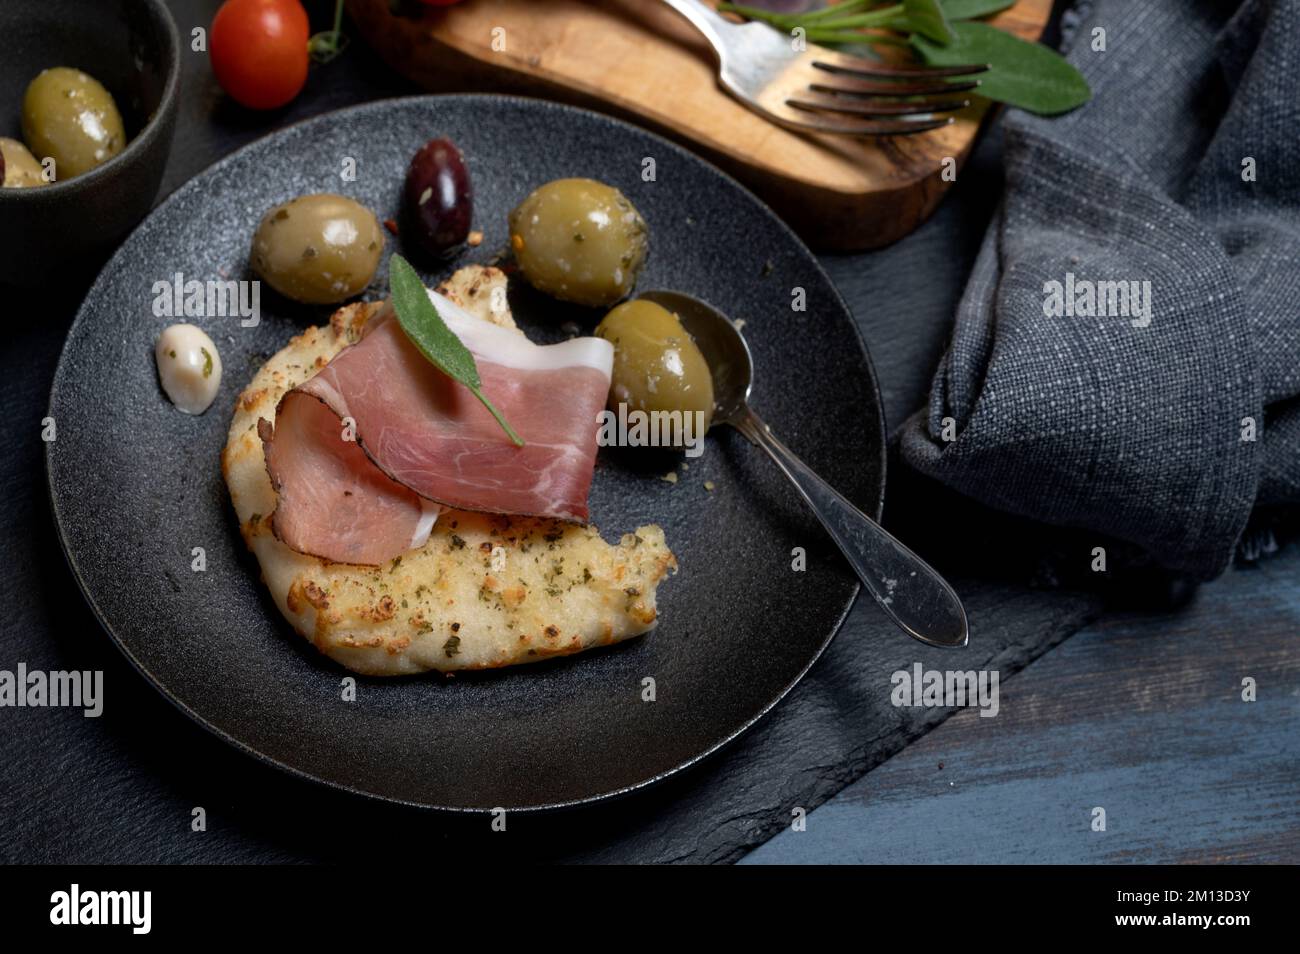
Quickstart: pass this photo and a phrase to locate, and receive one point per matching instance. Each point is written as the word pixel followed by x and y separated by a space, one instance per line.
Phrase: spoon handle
pixel 917 598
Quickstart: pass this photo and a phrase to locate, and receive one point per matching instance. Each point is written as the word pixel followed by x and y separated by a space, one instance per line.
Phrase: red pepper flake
pixel 391 225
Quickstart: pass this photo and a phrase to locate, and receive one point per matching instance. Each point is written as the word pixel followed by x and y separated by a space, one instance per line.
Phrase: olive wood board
pixel 640 60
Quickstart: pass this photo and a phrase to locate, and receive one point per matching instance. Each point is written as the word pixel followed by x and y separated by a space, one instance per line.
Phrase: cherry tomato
pixel 259 51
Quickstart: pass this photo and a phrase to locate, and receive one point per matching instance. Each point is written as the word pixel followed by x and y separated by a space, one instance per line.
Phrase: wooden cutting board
pixel 638 59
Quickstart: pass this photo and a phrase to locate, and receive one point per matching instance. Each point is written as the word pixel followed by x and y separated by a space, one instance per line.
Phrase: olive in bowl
pixel 133 49
pixel 18 167
pixel 579 240
pixel 69 116
pixel 318 249
pixel 657 365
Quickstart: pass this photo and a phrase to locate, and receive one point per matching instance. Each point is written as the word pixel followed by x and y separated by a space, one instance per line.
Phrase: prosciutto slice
pixel 333 502
pixel 364 454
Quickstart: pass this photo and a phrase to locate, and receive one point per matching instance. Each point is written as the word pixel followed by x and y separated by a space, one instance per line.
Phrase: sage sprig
pixel 429 333
pixel 1028 75
pixel 945 33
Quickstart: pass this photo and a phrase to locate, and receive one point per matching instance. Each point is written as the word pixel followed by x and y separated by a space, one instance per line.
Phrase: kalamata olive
pixel 319 249
pixel 657 365
pixel 439 201
pixel 579 240
pixel 70 117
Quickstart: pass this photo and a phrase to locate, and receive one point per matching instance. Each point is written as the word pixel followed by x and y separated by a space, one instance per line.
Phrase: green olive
pixel 21 170
pixel 70 118
pixel 579 240
pixel 657 365
pixel 319 249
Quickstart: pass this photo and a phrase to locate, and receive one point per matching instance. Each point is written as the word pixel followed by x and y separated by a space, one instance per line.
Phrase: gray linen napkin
pixel 1164 424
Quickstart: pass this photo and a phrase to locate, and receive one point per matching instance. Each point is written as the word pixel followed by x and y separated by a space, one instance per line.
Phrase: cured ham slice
pixel 364 453
pixel 332 501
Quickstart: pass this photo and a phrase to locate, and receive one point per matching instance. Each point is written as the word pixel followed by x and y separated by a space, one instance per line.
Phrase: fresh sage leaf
pixel 924 18
pixel 1023 74
pixel 945 33
pixel 430 334
pixel 973 9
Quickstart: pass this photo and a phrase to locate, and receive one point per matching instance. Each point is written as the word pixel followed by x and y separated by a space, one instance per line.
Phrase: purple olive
pixel 439 202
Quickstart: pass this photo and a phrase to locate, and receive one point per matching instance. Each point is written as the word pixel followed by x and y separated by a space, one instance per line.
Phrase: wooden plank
pixel 641 61
pixel 1140 715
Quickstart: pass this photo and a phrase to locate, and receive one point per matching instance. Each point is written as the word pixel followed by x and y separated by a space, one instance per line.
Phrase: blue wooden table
pixel 1141 715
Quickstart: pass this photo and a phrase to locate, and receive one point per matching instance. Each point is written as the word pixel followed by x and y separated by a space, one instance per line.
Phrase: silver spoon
pixel 914 596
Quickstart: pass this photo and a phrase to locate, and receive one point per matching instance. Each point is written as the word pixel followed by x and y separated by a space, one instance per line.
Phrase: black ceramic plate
pixel 136 485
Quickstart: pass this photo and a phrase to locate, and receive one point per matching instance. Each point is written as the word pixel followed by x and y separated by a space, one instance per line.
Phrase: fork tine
pixel 849 107
pixel 898 127
pixel 865 89
pixel 848 66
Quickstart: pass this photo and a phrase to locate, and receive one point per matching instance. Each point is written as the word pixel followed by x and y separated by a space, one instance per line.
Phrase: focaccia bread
pixel 485 590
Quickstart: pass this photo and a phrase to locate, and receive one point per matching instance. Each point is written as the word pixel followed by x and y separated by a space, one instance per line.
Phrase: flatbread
pixel 484 591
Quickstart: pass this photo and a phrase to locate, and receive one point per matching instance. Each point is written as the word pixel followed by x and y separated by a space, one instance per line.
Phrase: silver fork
pixel 819 90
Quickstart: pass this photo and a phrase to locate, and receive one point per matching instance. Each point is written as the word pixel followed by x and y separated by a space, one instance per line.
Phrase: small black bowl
pixel 132 47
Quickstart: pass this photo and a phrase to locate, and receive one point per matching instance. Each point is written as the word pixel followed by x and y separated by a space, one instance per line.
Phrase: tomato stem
pixel 327 44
